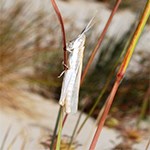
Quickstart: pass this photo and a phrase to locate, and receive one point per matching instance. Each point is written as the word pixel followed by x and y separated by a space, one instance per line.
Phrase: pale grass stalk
pixel 5 138
pixel 148 144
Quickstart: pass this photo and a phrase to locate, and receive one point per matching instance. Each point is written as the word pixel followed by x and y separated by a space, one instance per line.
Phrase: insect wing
pixel 75 94
pixel 64 88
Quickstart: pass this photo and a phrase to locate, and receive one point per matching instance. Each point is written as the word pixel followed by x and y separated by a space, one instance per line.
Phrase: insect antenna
pixel 89 25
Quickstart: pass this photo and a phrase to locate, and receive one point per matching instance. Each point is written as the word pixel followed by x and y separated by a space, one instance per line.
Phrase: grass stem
pixel 121 72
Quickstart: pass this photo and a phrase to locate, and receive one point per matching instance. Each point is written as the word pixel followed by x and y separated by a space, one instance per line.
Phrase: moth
pixel 72 76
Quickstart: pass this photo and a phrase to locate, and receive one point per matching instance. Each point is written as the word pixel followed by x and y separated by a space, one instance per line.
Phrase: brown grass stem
pixel 64 120
pixel 65 57
pixel 106 110
pixel 62 29
pixel 100 40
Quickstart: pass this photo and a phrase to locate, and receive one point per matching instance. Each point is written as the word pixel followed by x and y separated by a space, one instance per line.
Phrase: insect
pixel 71 81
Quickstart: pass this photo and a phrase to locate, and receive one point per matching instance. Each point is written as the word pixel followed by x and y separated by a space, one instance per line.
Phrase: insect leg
pixel 70 51
pixel 63 70
pixel 65 65
pixel 61 74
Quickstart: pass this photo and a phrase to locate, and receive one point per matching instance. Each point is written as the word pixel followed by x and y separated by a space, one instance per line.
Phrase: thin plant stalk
pixel 96 102
pixel 99 41
pixel 74 131
pixel 144 106
pixel 58 142
pixel 64 120
pixel 65 67
pixel 55 130
pixel 14 140
pixel 62 29
pixel 148 144
pixel 24 143
pixel 121 72
pixel 115 66
pixel 5 138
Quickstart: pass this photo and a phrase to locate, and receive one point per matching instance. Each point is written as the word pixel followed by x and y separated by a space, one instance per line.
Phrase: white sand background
pixel 33 129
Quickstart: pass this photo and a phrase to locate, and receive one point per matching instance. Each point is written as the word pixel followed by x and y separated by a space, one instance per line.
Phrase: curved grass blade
pixel 5 138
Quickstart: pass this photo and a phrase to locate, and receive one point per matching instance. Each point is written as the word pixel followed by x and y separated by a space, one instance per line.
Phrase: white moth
pixel 71 81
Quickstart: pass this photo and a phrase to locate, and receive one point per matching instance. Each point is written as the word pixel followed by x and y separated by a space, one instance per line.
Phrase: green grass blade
pixel 59 130
pixel 55 130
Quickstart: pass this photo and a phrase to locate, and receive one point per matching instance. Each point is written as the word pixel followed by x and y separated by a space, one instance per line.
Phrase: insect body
pixel 71 82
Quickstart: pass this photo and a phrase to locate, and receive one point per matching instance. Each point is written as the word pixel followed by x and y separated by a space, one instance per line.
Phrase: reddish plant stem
pixel 63 31
pixel 63 40
pixel 97 46
pixel 100 40
pixel 64 120
pixel 64 49
pixel 106 110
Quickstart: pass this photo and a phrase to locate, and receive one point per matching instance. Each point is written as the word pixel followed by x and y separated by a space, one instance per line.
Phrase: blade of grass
pixel 59 131
pixel 74 131
pixel 147 146
pixel 65 61
pixel 55 130
pixel 121 72
pixel 64 120
pixel 15 139
pixel 144 106
pixel 24 141
pixel 100 40
pixel 96 102
pixel 5 138
pixel 62 29
pixel 115 67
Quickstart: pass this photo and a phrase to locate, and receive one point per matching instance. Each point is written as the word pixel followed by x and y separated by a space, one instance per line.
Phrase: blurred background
pixel 31 54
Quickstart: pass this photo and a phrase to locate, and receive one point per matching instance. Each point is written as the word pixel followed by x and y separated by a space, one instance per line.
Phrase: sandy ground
pixel 30 129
